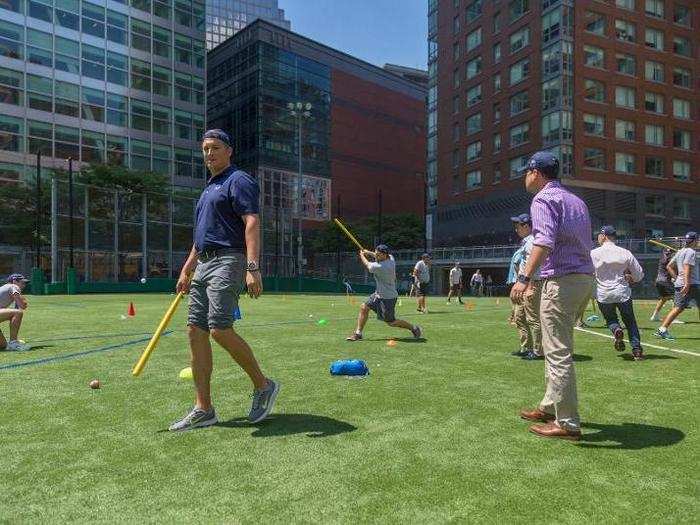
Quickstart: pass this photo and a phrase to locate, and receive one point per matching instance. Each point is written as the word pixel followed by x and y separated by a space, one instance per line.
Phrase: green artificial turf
pixel 432 435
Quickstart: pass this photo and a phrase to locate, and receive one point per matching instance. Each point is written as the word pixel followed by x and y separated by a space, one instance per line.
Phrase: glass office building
pixel 102 81
pixel 225 18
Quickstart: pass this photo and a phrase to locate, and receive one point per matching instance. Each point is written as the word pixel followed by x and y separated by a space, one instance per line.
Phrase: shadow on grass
pixel 647 357
pixel 288 424
pixel 578 358
pixel 400 339
pixel 629 436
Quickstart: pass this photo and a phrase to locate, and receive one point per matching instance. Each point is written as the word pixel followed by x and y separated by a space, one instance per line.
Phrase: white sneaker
pixel 654 318
pixel 17 346
pixel 677 321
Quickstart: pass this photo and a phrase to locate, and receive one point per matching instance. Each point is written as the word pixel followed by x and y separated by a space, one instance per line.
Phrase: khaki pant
pixel 520 319
pixel 562 299
pixel 527 319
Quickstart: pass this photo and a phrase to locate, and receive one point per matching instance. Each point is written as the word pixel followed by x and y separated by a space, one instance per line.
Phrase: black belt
pixel 206 255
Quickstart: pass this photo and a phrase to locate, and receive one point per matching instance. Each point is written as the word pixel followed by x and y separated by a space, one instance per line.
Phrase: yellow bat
pixel 347 232
pixel 156 336
pixel 663 245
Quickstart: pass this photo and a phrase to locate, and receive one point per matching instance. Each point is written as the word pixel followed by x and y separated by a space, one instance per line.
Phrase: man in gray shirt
pixel 383 300
pixel 687 282
pixel 11 292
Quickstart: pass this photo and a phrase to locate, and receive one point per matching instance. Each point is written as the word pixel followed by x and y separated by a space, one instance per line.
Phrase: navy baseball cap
pixel 217 134
pixel 545 162
pixel 16 277
pixel 608 231
pixel 523 218
pixel 383 248
pixel 425 255
pixel 691 236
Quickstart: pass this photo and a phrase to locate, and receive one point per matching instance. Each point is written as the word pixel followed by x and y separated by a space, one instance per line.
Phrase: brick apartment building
pixel 363 131
pixel 610 86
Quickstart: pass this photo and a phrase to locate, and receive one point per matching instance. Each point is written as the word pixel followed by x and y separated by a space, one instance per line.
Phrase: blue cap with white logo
pixel 219 134
pixel 16 277
pixel 523 218
pixel 608 230
pixel 545 162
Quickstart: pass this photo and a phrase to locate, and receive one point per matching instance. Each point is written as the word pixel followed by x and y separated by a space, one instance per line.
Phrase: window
pixel 496 22
pixel 594 90
pixel 455 158
pixel 654 102
pixel 12 46
pixel 455 51
pixel 474 96
pixel 594 158
pixel 624 130
pixel 117 110
pixel 624 97
pixel 474 151
pixel 519 134
pixel 455 132
pixel 654 71
pixel 654 135
pixel 474 10
pixel 496 53
pixel 473 179
pixel 654 167
pixel 519 71
pixel 681 108
pixel 496 142
pixel 516 164
pixel 654 205
pixel 626 64
pixel 117 68
pixel 455 25
pixel 556 127
pixel 681 171
pixel 40 11
pixel 162 42
pixel 497 82
pixel 497 112
pixel 681 46
pixel 681 77
pixel 681 208
pixel 517 8
pixel 625 31
pixel 551 25
pixel 624 163
pixel 519 39
pixel 455 78
pixel 681 139
pixel 625 4
pixel 593 124
pixel 11 132
pixel 654 8
pixel 654 39
pixel 474 124
pixel 455 104
pixel 681 15
pixel 474 39
pixel 519 102
pixel 594 23
pixel 117 27
pixel 496 173
pixel 593 56
pixel 474 67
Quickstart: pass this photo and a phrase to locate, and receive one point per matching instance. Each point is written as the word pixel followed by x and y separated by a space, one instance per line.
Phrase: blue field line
pixel 77 354
pixel 94 336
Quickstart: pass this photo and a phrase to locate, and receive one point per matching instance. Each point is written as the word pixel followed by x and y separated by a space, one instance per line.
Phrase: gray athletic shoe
pixel 263 401
pixel 197 418
pixel 417 331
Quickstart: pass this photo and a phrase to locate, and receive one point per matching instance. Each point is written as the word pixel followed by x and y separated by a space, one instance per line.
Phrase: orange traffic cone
pixel 132 310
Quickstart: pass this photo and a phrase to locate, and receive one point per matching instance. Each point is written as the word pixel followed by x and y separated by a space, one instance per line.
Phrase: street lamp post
pixel 299 110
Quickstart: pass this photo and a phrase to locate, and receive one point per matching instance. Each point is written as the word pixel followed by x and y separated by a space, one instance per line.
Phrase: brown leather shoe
pixel 536 415
pixel 552 430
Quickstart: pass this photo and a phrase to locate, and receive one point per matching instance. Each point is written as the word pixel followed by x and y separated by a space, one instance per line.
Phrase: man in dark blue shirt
pixel 226 235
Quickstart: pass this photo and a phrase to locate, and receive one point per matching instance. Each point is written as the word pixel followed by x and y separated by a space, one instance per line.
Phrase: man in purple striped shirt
pixel 563 241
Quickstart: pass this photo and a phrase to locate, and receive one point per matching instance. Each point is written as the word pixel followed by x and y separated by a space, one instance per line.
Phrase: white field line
pixel 645 344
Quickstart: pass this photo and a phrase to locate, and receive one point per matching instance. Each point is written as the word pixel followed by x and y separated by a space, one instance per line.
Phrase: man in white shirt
pixel 615 269
pixel 12 293
pixel 685 270
pixel 421 274
pixel 476 283
pixel 455 283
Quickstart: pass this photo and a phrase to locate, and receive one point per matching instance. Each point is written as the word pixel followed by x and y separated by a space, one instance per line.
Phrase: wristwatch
pixel 252 266
pixel 523 279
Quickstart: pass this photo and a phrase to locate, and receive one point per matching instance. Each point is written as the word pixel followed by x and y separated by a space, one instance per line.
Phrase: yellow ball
pixel 186 373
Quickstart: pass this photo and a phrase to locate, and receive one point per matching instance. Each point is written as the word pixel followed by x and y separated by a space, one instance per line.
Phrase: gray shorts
pixel 384 308
pixel 214 291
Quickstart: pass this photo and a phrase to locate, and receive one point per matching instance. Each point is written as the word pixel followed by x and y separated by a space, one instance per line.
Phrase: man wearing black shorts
pixel 383 300
pixel 421 273
pixel 664 284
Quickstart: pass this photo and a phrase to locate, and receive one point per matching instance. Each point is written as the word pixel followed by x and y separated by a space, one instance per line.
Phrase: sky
pixel 377 31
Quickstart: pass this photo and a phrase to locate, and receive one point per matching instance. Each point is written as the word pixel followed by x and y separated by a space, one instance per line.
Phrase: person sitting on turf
pixel 383 300
pixel 615 269
pixel 12 293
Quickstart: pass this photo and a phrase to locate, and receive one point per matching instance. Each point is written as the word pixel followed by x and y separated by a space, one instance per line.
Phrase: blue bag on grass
pixel 349 367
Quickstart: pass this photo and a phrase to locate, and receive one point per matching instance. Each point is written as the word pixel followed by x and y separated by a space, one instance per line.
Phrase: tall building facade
pixel 225 18
pixel 102 82
pixel 360 130
pixel 610 86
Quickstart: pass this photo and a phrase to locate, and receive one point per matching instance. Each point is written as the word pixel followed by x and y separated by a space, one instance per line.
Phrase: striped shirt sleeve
pixel 544 223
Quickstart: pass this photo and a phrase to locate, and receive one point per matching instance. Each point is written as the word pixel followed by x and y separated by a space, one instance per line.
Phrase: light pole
pixel 299 110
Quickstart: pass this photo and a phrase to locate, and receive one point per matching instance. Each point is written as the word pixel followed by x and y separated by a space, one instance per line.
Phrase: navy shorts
pixel 422 288
pixel 384 308
pixel 683 301
pixel 664 289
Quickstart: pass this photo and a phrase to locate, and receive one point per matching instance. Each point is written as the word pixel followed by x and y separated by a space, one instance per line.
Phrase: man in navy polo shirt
pixel 227 234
